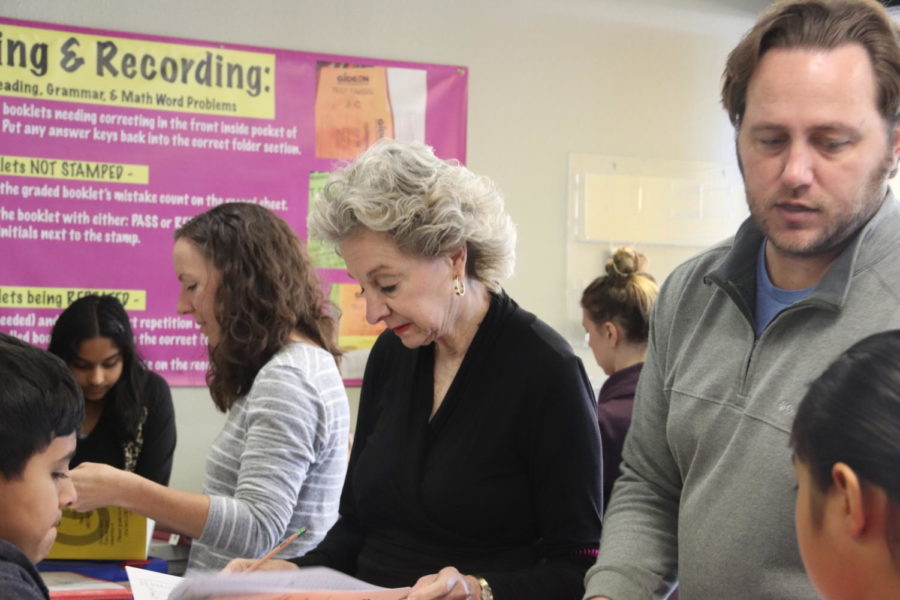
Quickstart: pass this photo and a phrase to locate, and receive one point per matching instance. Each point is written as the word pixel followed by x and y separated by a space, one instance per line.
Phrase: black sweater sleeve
pixel 504 482
pixel 567 485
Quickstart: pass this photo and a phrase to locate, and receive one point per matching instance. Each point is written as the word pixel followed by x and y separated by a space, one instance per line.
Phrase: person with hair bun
pixel 846 442
pixel 476 469
pixel 616 315
pixel 279 461
pixel 129 420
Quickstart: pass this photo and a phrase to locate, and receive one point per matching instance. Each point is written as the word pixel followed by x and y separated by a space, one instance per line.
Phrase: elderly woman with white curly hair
pixel 476 467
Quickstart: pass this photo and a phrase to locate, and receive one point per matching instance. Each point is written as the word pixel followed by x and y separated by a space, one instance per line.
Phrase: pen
pixel 276 549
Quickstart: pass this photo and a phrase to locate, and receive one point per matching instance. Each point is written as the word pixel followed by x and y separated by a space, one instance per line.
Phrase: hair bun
pixel 624 263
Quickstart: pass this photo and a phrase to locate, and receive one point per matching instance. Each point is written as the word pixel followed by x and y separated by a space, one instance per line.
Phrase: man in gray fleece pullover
pixel 707 492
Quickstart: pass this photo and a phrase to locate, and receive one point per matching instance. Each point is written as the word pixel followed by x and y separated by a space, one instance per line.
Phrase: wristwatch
pixel 486 592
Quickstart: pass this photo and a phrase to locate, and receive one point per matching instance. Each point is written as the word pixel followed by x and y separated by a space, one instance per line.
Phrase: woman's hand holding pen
pixel 265 563
pixel 446 584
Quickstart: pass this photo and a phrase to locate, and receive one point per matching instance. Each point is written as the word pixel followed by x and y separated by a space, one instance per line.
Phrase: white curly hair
pixel 428 206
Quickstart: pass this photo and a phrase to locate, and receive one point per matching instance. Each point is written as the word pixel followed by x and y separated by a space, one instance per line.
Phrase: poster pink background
pixel 173 170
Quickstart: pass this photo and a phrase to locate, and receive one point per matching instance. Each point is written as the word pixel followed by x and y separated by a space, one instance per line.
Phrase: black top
pixel 504 481
pixel 105 442
pixel 19 580
pixel 614 407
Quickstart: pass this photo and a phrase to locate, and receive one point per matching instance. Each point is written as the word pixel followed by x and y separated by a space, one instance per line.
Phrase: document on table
pixel 308 583
pixel 150 585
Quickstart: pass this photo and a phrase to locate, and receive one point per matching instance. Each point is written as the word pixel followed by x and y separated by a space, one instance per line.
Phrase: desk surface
pixel 68 585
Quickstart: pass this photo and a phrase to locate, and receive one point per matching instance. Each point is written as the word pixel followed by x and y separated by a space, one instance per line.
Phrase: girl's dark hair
pixel 267 289
pixel 95 316
pixel 851 414
pixel 624 295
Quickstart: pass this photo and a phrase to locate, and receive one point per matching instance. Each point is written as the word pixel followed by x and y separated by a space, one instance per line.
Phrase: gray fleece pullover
pixel 707 491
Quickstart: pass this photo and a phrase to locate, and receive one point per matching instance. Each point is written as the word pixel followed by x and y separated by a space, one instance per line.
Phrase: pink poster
pixel 109 141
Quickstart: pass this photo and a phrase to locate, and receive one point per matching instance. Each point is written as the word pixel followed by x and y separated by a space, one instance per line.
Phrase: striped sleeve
pixel 279 462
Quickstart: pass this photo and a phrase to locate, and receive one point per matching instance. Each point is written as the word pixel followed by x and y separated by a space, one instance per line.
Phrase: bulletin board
pixel 669 210
pixel 109 141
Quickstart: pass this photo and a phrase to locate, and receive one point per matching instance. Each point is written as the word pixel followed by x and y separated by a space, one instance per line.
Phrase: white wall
pixel 632 78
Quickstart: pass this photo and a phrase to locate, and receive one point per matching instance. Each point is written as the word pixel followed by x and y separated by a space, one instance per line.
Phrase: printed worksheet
pixel 309 583
pixel 150 585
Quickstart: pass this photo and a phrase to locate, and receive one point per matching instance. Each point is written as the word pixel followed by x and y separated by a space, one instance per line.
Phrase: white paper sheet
pixel 319 581
pixel 150 585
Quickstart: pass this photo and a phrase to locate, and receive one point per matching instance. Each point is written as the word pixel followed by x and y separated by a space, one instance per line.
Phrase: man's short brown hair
pixel 824 24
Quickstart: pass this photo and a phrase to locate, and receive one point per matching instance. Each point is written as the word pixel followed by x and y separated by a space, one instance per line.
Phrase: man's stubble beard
pixel 869 200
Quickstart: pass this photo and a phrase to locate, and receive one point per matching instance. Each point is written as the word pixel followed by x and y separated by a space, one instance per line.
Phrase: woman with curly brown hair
pixel 279 462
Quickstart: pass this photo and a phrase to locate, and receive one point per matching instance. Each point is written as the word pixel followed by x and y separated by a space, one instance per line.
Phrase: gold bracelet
pixel 486 592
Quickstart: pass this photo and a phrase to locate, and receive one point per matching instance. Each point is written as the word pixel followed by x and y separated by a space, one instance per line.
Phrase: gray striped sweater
pixel 279 462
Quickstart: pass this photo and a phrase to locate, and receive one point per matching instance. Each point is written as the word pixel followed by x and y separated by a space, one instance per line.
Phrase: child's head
pixel 89 322
pixel 616 307
pixel 94 337
pixel 40 411
pixel 846 441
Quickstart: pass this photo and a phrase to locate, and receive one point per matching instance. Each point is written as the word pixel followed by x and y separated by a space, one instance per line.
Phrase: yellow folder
pixel 109 533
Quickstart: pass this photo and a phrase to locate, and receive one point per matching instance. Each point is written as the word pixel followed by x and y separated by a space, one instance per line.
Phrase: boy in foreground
pixel 41 409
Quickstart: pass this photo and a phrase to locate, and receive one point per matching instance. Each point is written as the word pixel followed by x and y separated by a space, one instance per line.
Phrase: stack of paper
pixel 310 583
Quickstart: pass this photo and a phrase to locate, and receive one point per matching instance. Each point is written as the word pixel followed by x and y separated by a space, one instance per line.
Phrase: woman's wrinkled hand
pixel 446 584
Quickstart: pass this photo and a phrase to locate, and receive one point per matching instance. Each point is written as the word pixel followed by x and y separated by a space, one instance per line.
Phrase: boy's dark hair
pixel 94 316
pixel 39 401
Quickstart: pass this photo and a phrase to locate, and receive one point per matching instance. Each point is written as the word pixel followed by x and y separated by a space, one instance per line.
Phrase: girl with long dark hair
pixel 129 421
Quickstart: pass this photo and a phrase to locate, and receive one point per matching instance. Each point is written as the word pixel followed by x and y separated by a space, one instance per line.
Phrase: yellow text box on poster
pixel 80 67
pixel 81 170
pixel 57 297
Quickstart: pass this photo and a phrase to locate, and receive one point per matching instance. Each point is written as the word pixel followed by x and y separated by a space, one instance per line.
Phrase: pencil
pixel 276 549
